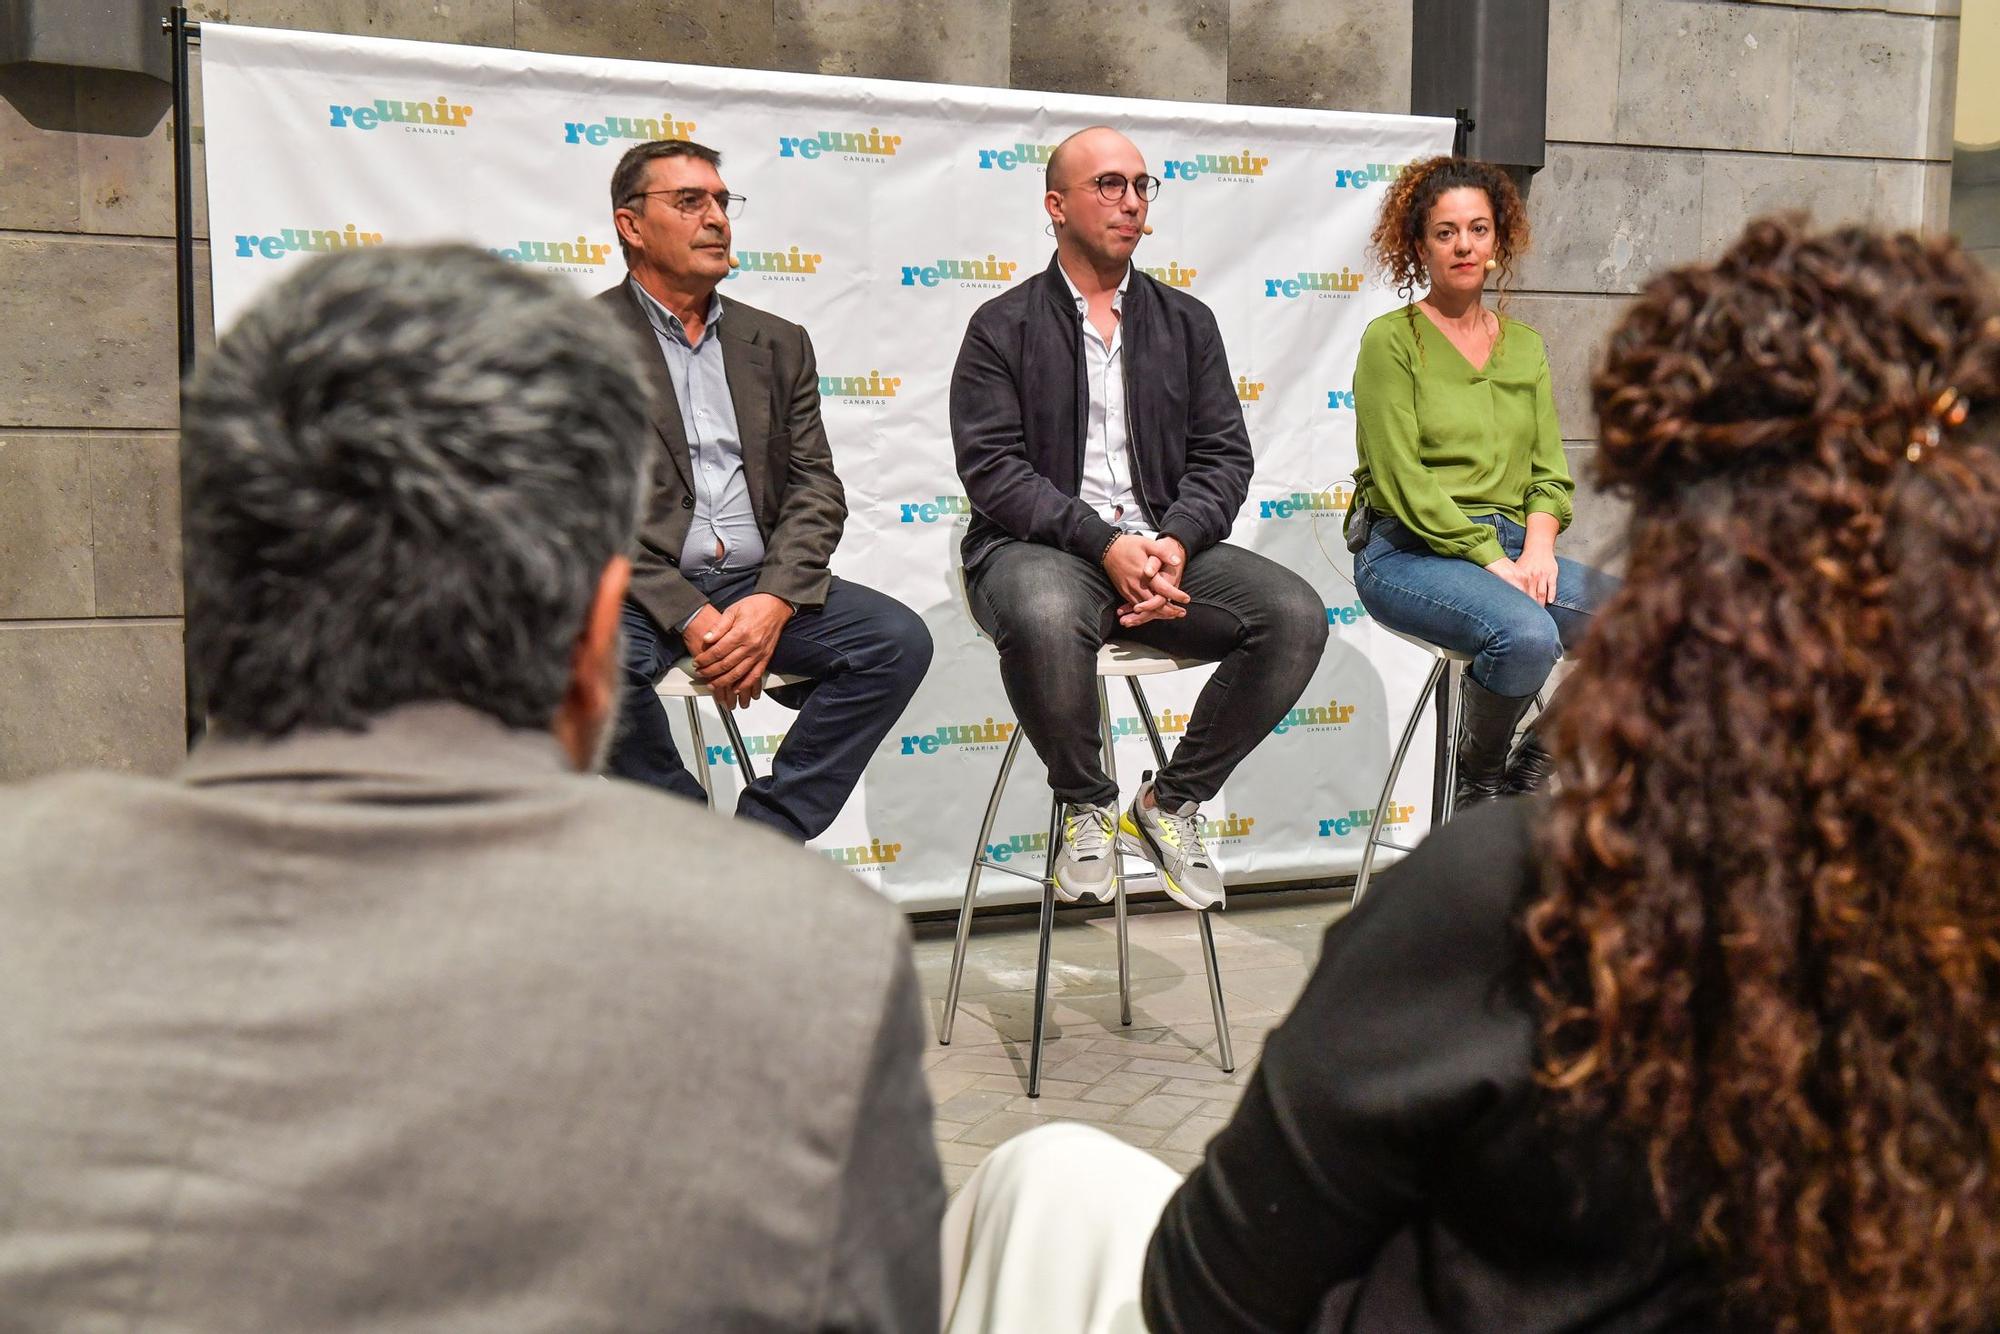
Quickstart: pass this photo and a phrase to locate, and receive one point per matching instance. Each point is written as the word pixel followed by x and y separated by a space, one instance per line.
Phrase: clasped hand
pixel 732 648
pixel 1147 574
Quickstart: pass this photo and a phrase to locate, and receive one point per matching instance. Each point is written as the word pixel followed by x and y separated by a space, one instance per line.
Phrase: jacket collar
pixel 434 740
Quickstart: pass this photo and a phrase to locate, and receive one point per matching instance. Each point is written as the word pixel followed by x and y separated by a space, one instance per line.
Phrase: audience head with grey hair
pixel 408 475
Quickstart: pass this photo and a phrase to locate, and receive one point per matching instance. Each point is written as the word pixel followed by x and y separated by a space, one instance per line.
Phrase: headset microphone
pixel 1146 230
pixel 1492 264
pixel 735 263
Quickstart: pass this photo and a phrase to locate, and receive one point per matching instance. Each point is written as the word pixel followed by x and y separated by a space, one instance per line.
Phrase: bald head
pixel 1083 146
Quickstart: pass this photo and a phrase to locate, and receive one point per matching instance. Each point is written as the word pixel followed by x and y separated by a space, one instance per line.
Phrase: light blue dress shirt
pixel 722 509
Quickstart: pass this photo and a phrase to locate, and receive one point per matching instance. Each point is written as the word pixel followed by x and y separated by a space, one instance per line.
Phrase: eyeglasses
pixel 694 203
pixel 1111 186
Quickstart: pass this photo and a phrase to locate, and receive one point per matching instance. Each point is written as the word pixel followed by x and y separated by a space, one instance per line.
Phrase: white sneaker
pixel 1084 864
pixel 1171 840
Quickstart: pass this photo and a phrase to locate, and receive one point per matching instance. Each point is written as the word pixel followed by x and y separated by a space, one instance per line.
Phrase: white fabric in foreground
pixel 1050 1233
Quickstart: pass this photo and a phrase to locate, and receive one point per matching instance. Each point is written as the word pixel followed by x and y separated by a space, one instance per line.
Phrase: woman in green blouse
pixel 1462 486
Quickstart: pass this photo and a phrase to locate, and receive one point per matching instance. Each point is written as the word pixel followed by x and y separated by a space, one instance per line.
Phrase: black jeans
pixel 866 654
pixel 1049 612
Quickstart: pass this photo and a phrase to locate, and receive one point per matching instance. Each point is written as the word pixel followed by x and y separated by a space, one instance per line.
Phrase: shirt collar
pixel 1083 305
pixel 667 324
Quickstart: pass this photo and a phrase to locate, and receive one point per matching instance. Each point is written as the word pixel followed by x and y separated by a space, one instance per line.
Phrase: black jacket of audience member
pixel 1390 1169
pixel 1020 407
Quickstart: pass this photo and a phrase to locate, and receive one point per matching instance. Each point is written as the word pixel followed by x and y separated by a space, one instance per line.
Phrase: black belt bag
pixel 1359 525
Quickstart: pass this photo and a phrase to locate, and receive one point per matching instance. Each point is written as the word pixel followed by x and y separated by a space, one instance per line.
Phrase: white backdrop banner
pixel 880 216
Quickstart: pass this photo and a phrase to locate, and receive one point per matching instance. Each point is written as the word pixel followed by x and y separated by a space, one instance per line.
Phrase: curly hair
pixel 1396 246
pixel 1767 945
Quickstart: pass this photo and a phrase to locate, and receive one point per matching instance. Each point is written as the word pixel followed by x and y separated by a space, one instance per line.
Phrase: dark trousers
pixel 1049 612
pixel 865 653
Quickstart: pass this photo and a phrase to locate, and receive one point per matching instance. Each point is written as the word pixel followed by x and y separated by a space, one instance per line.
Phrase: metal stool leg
pixel 700 752
pixel 1454 702
pixel 736 742
pixel 1389 783
pixel 1117 864
pixel 1042 951
pixel 1222 1044
pixel 972 888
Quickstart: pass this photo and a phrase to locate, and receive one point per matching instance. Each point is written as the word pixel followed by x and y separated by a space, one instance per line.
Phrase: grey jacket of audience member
pixel 418 1030
pixel 1020 405
pixel 787 463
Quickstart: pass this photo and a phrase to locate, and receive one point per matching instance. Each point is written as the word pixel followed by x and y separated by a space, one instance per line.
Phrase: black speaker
pixel 1491 59
pixel 121 35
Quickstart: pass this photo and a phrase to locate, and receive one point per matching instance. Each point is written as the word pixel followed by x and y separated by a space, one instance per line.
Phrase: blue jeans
pixel 1450 602
pixel 865 653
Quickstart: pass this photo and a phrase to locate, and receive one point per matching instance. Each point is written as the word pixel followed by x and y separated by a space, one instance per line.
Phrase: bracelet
pixel 1112 543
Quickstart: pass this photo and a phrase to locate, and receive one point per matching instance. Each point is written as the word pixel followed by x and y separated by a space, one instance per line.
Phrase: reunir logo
pixel 1020 155
pixel 1330 714
pixel 988 733
pixel 280 244
pixel 1393 817
pixel 643 129
pixel 811 147
pixel 872 853
pixel 930 511
pixel 1340 400
pixel 793 265
pixel 1240 165
pixel 764 744
pixel 1248 390
pixel 1173 275
pixel 1334 501
pixel 1374 173
pixel 990 272
pixel 871 385
pixel 1342 284
pixel 417 117
pixel 1351 614
pixel 580 253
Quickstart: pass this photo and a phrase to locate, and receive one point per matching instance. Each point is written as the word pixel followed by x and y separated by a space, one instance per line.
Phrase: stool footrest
pixel 1012 870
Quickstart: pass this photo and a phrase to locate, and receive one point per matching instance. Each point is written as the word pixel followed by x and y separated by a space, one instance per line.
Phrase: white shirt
pixel 1106 485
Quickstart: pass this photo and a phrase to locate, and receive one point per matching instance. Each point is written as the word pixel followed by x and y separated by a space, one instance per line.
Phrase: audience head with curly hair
pixel 1768 942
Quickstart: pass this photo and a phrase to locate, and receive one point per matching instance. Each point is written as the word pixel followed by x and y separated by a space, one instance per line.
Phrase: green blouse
pixel 1440 441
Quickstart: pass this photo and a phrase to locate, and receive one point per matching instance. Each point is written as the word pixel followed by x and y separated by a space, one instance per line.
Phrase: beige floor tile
pixel 1065 1109
pixel 1163 1111
pixel 1207 1074
pixel 945 1083
pixel 1193 1134
pixel 1122 1087
pixel 1227 1094
pixel 1275 990
pixel 1003 1126
pixel 973 1105
pixel 1018 1084
pixel 1141 1137
pixel 964 1155
pixel 1087 1067
pixel 1183 1163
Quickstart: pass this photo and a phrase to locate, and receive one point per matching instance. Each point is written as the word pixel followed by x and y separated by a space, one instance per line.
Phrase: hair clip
pixel 1948 409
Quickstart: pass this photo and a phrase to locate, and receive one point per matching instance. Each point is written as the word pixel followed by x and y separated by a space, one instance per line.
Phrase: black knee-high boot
pixel 1485 735
pixel 1529 770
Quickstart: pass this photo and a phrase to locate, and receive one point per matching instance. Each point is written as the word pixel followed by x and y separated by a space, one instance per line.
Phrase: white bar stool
pixel 1115 659
pixel 683 683
pixel 1446 668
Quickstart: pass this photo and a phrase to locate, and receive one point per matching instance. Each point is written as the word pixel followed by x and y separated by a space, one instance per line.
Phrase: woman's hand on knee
pixel 1514 573
pixel 1540 568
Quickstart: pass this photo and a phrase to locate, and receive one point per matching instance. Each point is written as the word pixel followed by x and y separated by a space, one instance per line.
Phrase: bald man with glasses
pixel 1103 449
pixel 730 566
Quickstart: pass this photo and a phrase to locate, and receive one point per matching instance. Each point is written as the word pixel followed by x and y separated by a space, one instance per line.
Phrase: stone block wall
pixel 1671 123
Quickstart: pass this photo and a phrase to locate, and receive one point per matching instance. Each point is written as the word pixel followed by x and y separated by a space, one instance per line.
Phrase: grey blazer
pixel 415 1030
pixel 787 463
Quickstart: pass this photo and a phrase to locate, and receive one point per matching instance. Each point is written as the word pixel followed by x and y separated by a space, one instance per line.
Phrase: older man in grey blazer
pixel 385 1013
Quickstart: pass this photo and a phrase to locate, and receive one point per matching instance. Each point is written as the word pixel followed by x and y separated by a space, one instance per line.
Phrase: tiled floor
pixel 1155 1084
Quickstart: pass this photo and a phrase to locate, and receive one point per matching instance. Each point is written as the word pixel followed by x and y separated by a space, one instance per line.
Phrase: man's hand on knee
pixel 733 651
